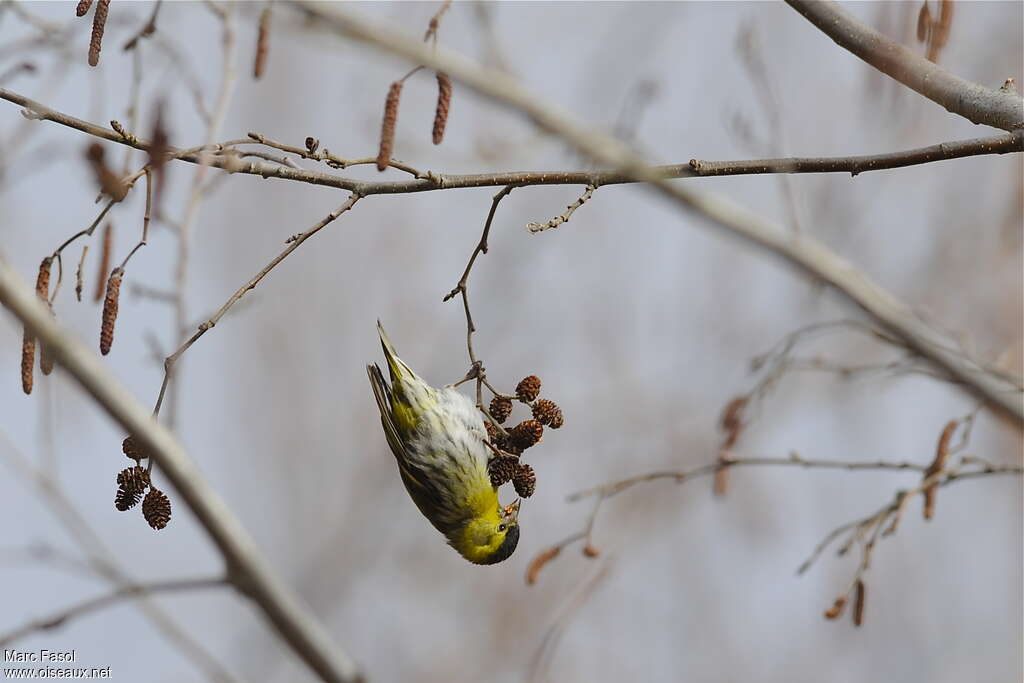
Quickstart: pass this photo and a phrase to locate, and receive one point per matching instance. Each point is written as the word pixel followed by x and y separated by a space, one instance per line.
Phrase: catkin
pixel 836 609
pixel 858 603
pixel 110 182
pixel 28 340
pixel 937 465
pixel 83 7
pixel 924 22
pixel 28 359
pixel 43 279
pixel 262 44
pixel 99 23
pixel 387 128
pixel 939 33
pixel 101 277
pixel 731 423
pixel 444 101
pixel 110 303
pixel 538 563
pixel 43 292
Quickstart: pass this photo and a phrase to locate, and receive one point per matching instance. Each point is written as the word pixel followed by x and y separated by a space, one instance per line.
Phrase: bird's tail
pixel 396 366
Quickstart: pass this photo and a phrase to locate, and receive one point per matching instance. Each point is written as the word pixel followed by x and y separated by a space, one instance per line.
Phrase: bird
pixel 440 444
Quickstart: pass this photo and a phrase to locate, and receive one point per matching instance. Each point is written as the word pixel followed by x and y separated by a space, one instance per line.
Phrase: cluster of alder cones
pixel 505 464
pixel 132 484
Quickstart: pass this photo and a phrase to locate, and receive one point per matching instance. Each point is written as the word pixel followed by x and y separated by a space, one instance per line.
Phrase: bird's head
pixel 490 538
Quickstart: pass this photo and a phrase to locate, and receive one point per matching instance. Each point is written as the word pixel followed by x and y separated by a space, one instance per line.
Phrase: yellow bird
pixel 437 436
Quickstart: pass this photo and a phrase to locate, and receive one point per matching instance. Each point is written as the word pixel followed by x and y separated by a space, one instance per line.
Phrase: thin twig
pixel 476 370
pixel 542 558
pixel 794 460
pixel 88 231
pixel 145 220
pixel 61 617
pixel 322 154
pixel 868 530
pixel 79 275
pixel 566 215
pixel 204 327
pixel 148 29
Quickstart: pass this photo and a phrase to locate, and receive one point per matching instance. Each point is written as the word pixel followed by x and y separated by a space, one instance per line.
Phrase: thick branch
pixel 247 570
pixel 996 144
pixel 807 255
pixel 116 595
pixel 974 102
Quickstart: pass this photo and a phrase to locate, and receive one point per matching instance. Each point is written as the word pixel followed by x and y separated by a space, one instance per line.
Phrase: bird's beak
pixel 512 510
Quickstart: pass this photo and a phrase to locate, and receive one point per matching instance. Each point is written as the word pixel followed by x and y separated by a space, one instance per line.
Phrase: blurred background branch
pixel 976 103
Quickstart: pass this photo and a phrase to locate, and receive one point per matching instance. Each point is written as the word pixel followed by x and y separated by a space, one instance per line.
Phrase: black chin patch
pixel 506 548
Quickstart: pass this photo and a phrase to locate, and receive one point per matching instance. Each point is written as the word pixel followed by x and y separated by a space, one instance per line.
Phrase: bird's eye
pixel 501 527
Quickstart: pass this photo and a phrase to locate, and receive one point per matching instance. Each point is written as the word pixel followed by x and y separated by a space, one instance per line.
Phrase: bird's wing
pixel 411 474
pixel 382 393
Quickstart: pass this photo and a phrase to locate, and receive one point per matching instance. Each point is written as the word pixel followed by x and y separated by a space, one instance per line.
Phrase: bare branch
pixel 426 182
pixel 794 460
pixel 974 102
pixel 884 521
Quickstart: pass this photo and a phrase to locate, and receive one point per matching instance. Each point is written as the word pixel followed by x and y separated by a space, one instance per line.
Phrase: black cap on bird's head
pixel 509 515
pixel 507 547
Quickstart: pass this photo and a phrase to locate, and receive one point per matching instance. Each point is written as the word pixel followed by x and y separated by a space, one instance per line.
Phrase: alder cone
pixel 501 408
pixel 156 508
pixel 528 389
pixel 548 413
pixel 524 480
pixel 502 469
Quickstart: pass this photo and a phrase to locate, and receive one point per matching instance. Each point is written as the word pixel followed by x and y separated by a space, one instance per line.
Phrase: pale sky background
pixel 640 321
